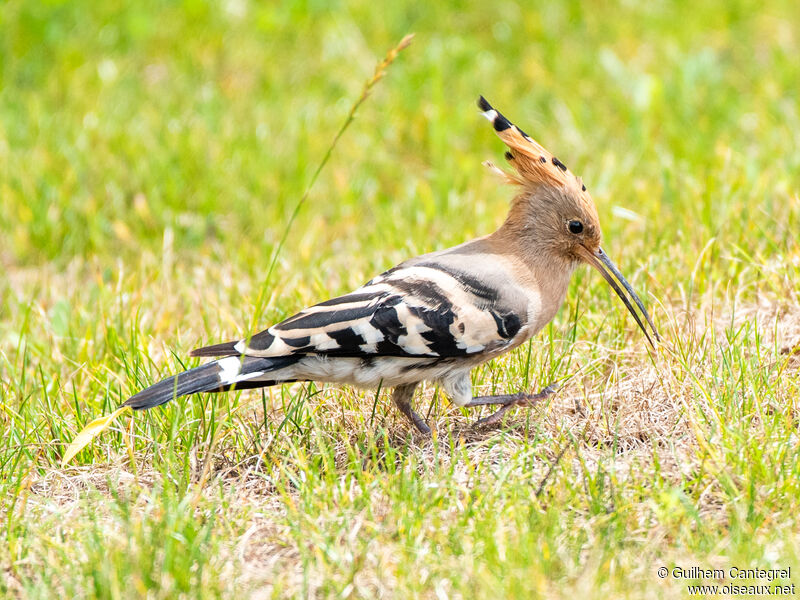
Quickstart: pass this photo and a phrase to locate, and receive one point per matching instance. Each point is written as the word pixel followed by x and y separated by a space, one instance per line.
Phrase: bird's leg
pixel 402 398
pixel 507 401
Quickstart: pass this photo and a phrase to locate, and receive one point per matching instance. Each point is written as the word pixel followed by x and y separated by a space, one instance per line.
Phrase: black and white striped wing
pixel 413 311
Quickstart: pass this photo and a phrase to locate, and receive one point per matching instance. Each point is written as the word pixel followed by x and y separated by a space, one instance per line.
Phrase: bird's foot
pixel 509 401
pixel 418 422
pixel 402 398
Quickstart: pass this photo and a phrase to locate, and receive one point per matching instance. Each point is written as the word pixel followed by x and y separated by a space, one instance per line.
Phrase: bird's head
pixel 554 213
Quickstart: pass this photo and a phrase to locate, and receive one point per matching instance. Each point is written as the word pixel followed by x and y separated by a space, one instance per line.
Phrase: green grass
pixel 151 155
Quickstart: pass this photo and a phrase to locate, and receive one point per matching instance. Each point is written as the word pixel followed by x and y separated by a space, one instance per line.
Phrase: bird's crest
pixel 532 163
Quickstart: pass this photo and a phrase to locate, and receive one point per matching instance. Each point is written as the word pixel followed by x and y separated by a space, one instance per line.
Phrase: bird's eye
pixel 575 227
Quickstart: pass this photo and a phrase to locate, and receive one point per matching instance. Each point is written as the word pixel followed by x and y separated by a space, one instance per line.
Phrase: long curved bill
pixel 600 261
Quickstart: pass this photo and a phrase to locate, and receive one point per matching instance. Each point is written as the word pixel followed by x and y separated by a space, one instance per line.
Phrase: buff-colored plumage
pixel 436 316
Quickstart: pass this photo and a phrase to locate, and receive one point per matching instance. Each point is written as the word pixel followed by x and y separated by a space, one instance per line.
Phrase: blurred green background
pixel 151 155
pixel 119 120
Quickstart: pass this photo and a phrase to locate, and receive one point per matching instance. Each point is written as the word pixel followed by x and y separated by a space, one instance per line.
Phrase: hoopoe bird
pixel 436 316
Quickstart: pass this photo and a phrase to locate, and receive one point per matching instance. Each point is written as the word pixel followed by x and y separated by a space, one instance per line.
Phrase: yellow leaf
pixel 91 431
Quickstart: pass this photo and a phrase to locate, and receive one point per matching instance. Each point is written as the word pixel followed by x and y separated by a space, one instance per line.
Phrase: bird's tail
pixel 218 376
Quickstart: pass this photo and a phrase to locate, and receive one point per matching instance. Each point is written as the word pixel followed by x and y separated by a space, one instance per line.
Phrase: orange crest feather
pixel 532 163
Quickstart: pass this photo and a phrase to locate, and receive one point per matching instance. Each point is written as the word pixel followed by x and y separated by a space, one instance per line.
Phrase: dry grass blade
pixel 380 72
pixel 550 470
pixel 91 431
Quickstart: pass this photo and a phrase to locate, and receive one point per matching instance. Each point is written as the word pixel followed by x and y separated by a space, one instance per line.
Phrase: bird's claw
pixel 528 400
